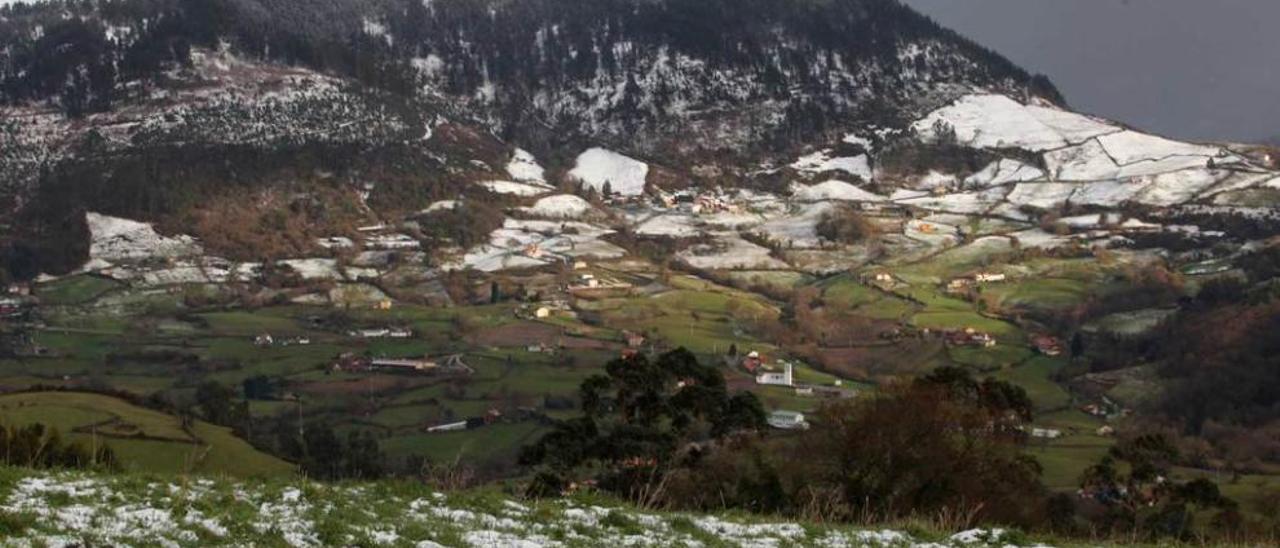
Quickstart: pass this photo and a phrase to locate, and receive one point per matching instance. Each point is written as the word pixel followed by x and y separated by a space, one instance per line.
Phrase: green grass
pixel 1066 458
pixel 143 439
pixel 698 315
pixel 1063 465
pixel 992 359
pixel 846 292
pixel 249 324
pixel 1034 377
pixel 1071 419
pixel 1004 332
pixel 75 289
pixel 1041 293
pixel 784 398
pixel 494 442
pixel 777 279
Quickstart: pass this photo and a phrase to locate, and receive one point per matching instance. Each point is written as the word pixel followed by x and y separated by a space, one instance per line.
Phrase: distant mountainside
pixel 157 109
pixel 261 127
pixel 740 70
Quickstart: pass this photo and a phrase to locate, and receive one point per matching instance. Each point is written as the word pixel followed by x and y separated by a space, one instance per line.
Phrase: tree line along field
pixel 102 334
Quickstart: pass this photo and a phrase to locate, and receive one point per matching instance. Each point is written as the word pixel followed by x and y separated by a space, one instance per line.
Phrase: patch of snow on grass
pixel 935 180
pixel 442 205
pixel 996 121
pixel 114 239
pixel 799 228
pixel 515 189
pixel 670 225
pixel 560 206
pixel 524 168
pixel 1163 165
pixel 597 166
pixel 1086 162
pixel 314 269
pixel 75 508
pixel 730 252
pixel 978 536
pixel 1042 195
pixel 962 202
pixel 857 140
pixel 821 162
pixel 834 190
pixel 1004 171
pixel 1129 147
pixel 1037 238
pixel 1107 193
pixel 902 194
pixel 1180 186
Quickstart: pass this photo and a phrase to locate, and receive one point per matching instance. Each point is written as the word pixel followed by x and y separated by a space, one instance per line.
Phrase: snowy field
pixel 114 240
pixel 532 243
pixel 560 206
pixel 730 252
pixel 524 168
pixel 833 190
pixel 597 166
pixel 996 121
pixel 73 509
pixel 822 162
pixel 1111 164
pixel 516 189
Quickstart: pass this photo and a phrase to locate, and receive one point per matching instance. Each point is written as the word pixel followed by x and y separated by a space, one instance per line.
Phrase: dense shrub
pixel 914 451
pixel 846 225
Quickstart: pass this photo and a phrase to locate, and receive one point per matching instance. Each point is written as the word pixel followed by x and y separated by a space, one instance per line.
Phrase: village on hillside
pixel 823 277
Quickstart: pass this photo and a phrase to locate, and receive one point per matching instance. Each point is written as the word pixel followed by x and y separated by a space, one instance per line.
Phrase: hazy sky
pixel 1195 69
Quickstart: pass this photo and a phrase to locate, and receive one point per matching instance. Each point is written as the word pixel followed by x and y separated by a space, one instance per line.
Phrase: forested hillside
pixel 605 68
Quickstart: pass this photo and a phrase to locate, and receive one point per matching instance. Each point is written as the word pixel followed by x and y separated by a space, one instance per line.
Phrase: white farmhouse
pixel 773 378
pixel 1046 433
pixel 788 420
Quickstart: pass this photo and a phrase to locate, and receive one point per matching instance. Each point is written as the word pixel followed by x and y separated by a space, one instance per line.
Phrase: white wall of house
pixel 785 378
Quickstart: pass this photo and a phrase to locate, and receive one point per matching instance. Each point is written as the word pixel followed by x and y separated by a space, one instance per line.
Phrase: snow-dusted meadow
pixel 77 509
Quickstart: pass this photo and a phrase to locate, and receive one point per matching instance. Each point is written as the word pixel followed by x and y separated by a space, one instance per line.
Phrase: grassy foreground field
pixel 143 439
pixel 73 508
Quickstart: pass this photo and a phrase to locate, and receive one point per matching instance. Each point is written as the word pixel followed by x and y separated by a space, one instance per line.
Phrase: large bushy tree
pixel 1134 486
pixel 637 423
pixel 948 445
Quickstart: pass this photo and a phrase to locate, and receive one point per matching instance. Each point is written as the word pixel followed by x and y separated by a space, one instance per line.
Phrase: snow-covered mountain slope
pixel 1084 160
pixel 274 126
pixel 645 74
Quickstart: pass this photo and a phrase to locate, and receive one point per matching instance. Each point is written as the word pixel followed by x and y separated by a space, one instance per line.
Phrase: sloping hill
pixel 143 439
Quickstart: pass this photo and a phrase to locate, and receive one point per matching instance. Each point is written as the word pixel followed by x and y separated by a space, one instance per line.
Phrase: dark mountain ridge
pixel 604 69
